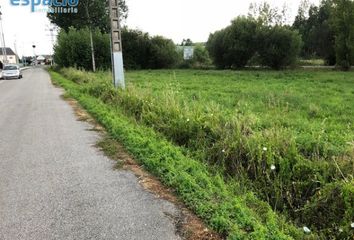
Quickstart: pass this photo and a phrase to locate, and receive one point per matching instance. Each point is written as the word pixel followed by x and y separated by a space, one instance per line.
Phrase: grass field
pixel 287 137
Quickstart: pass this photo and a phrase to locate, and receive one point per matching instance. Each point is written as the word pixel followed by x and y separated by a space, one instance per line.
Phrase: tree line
pixel 327 31
pixel 264 38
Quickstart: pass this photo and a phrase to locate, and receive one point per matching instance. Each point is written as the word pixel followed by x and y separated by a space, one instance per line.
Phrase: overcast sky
pixel 175 19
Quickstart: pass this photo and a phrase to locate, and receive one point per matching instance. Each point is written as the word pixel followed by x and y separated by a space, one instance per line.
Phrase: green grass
pixel 285 136
pixel 312 62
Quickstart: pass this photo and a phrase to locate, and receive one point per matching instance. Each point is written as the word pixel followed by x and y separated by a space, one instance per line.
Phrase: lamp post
pixel 4 54
pixel 34 54
pixel 116 45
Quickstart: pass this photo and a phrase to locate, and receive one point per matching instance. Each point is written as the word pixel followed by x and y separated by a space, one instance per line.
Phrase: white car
pixel 11 71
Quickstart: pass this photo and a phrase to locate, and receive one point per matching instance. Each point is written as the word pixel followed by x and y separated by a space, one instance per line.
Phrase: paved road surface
pixel 55 185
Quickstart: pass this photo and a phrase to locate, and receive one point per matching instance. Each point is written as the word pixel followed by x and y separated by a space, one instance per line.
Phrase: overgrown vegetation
pixel 286 136
pixel 226 207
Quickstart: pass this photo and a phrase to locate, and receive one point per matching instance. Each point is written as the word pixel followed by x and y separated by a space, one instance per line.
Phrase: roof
pixel 41 58
pixel 8 51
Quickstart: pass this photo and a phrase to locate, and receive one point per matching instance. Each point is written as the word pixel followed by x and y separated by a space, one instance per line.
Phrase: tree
pixel 92 14
pixel 234 45
pixel 98 16
pixel 163 53
pixel 73 49
pixel 343 25
pixel 247 38
pixel 187 42
pixel 137 48
pixel 240 41
pixel 216 48
pixel 200 57
pixel 313 24
pixel 267 15
pixel 280 46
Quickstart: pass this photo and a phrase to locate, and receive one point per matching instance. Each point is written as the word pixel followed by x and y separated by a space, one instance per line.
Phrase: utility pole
pixel 91 39
pixel 52 30
pixel 4 54
pixel 15 47
pixel 116 45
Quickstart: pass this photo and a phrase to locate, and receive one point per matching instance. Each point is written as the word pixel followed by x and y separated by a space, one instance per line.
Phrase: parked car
pixel 11 71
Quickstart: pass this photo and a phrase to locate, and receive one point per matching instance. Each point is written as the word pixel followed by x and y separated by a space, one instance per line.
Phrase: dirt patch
pixel 188 225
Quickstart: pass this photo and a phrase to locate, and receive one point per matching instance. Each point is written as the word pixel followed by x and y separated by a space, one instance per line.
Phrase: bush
pixel 280 46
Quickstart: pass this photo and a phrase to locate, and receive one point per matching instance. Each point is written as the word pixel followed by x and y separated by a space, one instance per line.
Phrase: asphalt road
pixel 55 185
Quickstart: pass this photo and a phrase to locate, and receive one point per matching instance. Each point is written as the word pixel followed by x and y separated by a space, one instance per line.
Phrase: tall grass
pixel 277 134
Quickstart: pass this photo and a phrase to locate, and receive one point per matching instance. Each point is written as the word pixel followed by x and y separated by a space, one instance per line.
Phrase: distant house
pixel 41 60
pixel 44 59
pixel 11 56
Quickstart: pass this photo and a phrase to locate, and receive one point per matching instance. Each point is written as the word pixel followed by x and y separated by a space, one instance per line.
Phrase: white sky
pixel 175 19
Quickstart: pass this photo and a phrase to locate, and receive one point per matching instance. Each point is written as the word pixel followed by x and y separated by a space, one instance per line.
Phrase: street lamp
pixel 116 45
pixel 3 39
pixel 34 54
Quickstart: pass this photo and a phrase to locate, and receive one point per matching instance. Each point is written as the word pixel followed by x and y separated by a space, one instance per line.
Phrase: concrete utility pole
pixel 4 54
pixel 116 45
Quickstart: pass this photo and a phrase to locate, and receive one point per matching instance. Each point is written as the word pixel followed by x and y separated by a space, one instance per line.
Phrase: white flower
pixel 340 230
pixel 272 167
pixel 223 151
pixel 265 149
pixel 306 229
pixel 352 225
pixel 187 119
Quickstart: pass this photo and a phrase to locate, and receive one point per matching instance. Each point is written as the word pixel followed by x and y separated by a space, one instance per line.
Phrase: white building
pixel 12 58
